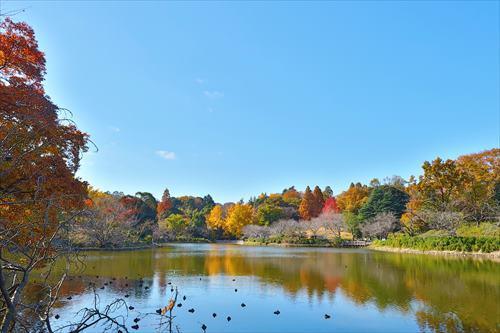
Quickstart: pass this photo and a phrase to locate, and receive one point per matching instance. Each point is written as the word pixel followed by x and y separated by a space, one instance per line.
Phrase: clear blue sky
pixel 238 98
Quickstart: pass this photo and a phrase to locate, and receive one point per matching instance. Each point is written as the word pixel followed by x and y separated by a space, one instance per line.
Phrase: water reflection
pixel 392 291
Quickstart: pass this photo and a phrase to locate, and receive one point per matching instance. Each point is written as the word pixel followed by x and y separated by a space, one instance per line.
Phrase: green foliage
pixel 327 192
pixel 148 199
pixel 197 219
pixel 175 224
pixel 485 229
pixel 193 211
pixel 449 243
pixel 268 213
pixel 138 208
pixel 384 199
pixel 496 193
pixel 353 221
pixel 190 239
pixel 208 202
pixel 435 233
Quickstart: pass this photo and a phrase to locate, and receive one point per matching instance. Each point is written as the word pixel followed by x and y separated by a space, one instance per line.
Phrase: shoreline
pixel 286 245
pixel 139 246
pixel 136 247
pixel 494 256
pixel 300 245
pixel 125 248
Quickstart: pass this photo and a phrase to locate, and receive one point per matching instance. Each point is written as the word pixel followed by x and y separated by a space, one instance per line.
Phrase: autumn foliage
pixel 469 185
pixel 21 62
pixel 44 207
pixel 318 201
pixel 40 151
pixel 331 206
pixel 307 205
pixel 164 205
pixel 353 198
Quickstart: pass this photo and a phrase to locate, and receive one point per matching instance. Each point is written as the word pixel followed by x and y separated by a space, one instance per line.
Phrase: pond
pixel 361 290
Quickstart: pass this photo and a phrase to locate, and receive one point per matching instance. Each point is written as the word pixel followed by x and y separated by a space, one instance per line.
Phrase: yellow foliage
pixel 215 218
pixel 483 166
pixel 95 194
pixel 238 216
pixel 466 184
pixel 275 196
pixel 353 199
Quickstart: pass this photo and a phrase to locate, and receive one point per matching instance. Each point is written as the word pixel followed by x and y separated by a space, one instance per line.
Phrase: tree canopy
pixel 384 199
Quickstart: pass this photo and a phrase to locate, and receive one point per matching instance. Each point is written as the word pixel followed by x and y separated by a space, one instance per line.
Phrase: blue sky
pixel 239 98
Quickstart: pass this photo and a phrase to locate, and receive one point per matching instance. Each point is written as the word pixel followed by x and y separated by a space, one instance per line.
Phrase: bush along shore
pixel 460 245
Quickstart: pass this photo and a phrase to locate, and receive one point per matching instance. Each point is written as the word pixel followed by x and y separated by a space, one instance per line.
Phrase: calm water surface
pixel 362 290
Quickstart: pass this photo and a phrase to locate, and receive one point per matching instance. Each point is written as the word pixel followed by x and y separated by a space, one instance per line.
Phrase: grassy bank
pixel 494 256
pixel 445 243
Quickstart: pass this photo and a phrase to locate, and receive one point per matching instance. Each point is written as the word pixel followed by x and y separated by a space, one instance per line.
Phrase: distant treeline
pixel 449 194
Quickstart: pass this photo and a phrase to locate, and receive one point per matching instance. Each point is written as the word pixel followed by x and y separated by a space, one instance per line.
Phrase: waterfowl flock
pixel 163 311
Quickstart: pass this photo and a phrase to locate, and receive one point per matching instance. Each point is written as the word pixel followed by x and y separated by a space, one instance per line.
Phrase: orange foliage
pixel 40 151
pixel 318 202
pixel 291 194
pixel 306 208
pixel 21 63
pixel 164 205
pixel 354 198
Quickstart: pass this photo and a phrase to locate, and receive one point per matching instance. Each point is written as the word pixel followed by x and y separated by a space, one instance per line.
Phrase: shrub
pixel 447 243
pixel 434 233
pixel 485 229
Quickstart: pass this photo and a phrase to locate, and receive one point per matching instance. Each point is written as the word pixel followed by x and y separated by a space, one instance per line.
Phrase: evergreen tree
pixel 148 199
pixel 384 199
pixel 327 192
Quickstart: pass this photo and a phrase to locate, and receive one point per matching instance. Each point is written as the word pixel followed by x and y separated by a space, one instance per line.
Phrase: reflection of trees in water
pixel 463 287
pixel 388 280
pixel 430 320
pixel 367 280
pixel 466 288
